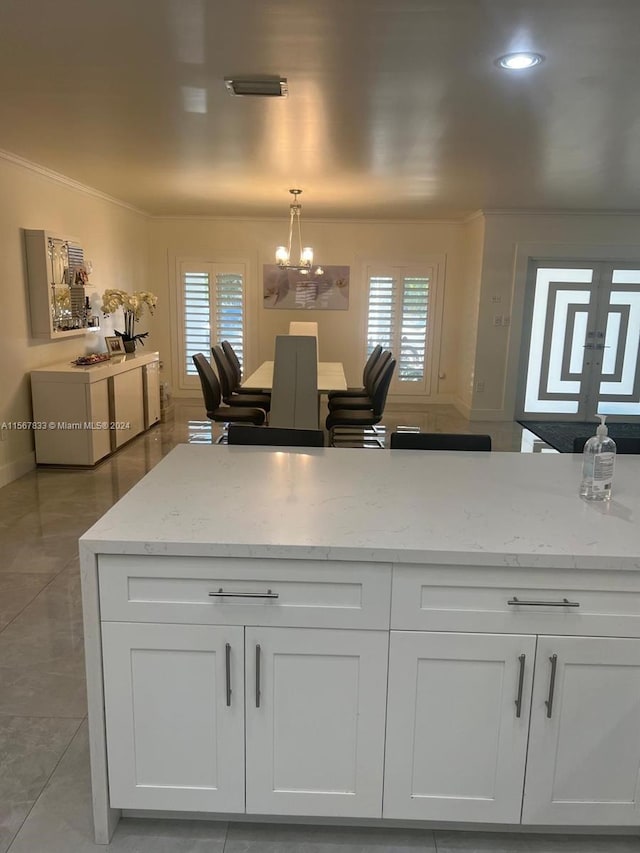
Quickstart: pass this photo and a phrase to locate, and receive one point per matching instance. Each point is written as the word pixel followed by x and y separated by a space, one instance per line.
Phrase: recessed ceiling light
pixel 519 61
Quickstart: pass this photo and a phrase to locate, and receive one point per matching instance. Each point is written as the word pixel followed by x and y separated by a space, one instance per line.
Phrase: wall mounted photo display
pixel 322 288
pixel 115 345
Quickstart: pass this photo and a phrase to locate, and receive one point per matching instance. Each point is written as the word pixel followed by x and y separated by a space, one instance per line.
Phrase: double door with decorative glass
pixel 581 341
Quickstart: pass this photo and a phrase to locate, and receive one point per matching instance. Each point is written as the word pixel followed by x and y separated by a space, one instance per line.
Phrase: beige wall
pixel 509 240
pixel 341 333
pixel 471 248
pixel 114 239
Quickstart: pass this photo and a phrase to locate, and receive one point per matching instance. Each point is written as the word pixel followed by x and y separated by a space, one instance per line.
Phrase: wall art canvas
pixel 326 288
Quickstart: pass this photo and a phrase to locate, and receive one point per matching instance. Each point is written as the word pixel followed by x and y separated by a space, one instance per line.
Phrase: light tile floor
pixel 44 781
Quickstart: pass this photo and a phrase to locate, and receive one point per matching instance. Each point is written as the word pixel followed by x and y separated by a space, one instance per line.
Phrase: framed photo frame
pixel 115 345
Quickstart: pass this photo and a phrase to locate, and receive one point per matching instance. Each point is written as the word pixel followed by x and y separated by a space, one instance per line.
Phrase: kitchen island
pixel 350 635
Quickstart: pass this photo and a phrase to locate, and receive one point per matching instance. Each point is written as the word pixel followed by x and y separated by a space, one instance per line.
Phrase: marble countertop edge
pixel 359 554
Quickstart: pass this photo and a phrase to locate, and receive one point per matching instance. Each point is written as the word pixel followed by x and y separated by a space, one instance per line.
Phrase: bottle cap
pixel 602 430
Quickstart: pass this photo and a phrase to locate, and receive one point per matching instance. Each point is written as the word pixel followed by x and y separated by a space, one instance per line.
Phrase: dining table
pixel 330 377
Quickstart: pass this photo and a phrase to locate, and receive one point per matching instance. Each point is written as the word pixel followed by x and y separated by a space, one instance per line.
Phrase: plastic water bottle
pixel 598 458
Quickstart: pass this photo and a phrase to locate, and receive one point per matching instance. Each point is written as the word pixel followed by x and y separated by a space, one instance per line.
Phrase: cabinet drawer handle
pixel 222 594
pixel 552 684
pixel 227 650
pixel 518 703
pixel 564 603
pixel 257 676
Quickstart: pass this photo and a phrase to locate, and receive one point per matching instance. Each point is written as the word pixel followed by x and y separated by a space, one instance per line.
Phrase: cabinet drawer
pixel 452 598
pixel 295 593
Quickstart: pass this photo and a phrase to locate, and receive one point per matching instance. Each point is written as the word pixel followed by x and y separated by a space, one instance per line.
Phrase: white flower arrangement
pixel 133 305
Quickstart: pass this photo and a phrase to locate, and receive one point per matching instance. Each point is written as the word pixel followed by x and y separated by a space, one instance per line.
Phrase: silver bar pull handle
pixel 222 594
pixel 552 685
pixel 526 603
pixel 518 703
pixel 257 676
pixel 227 651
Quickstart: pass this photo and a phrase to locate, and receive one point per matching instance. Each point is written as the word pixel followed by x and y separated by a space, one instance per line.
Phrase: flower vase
pixel 129 346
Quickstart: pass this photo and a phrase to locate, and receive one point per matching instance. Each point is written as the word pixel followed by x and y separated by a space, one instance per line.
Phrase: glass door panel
pixel 582 354
pixel 619 386
pixel 562 305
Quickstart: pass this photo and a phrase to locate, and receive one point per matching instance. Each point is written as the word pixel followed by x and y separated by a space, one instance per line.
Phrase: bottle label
pixel 602 471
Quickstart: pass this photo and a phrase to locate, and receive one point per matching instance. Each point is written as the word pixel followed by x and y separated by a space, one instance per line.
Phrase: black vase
pixel 129 346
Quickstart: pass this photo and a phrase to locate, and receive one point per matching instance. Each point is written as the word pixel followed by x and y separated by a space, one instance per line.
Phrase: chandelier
pixel 283 253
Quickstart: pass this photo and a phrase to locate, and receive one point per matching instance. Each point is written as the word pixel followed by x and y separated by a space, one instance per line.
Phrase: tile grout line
pixel 48 779
pixel 29 603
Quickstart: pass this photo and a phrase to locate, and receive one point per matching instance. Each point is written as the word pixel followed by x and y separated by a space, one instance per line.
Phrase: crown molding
pixel 556 212
pixel 307 219
pixel 59 178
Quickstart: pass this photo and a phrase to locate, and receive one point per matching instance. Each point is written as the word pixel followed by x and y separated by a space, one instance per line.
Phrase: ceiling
pixel 396 107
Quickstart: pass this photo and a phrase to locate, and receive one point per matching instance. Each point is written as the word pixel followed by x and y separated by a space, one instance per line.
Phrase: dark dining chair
pixel 439 441
pixel 212 395
pixel 357 419
pixel 234 362
pixel 366 372
pixel 364 399
pixel 269 436
pixel 227 379
pixel 625 445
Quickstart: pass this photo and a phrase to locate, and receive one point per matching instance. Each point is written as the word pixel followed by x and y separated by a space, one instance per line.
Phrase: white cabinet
pixel 306 703
pixel 175 716
pixel 457 751
pixel 85 413
pixel 315 721
pixel 457 725
pixel 584 745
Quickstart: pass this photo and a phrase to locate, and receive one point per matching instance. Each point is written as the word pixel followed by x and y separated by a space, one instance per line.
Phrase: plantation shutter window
pixel 212 309
pixel 398 318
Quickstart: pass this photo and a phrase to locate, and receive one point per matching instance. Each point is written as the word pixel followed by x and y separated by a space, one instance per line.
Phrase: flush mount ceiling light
pixel 519 61
pixel 262 86
pixel 283 253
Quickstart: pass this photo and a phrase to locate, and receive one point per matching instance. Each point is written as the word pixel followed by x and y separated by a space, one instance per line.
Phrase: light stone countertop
pixel 500 509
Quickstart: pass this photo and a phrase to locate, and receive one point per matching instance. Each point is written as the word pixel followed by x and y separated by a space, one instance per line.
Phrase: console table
pixel 82 414
pixel 450 638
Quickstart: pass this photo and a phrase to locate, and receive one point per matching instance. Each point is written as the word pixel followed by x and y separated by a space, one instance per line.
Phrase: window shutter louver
pixel 197 318
pixel 230 312
pixel 413 334
pixel 380 325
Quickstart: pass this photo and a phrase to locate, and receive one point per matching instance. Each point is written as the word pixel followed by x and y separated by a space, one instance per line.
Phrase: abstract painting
pixel 322 288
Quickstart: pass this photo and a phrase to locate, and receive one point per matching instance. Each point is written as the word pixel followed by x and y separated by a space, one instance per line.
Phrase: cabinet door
pixel 456 746
pixel 127 406
pixel 175 736
pixel 315 721
pixel 584 747
pixel 99 436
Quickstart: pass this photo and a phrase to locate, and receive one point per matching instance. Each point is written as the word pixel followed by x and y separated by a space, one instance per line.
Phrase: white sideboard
pixel 389 636
pixel 81 414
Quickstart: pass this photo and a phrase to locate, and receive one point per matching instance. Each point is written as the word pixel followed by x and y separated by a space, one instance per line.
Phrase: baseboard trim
pixel 18 468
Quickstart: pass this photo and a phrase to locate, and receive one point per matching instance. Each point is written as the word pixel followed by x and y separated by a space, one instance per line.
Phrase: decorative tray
pixel 93 358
